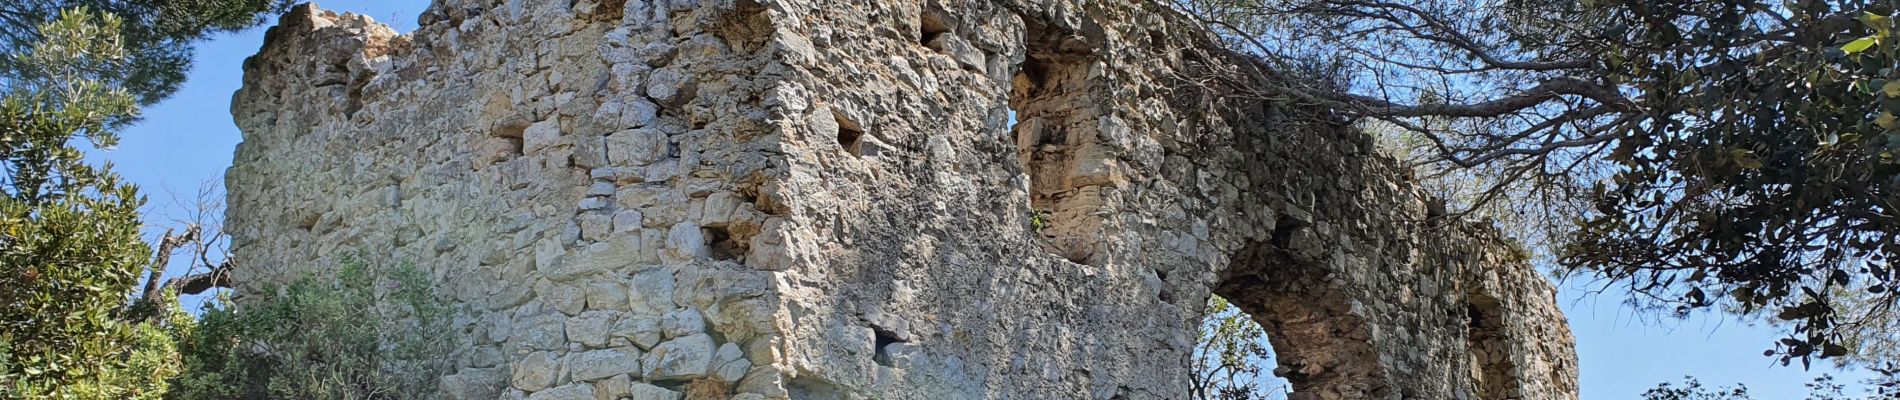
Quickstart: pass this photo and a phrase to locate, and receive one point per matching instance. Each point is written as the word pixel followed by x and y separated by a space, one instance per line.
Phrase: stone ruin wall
pixel 858 199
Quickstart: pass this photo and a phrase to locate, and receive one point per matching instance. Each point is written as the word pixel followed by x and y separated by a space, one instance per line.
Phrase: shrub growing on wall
pixel 363 333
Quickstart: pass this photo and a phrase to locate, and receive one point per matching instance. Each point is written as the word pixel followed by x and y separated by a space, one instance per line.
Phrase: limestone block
pixel 627 221
pixel 542 332
pixel 685 242
pixel 590 328
pixel 642 330
pixel 604 363
pixel 652 292
pixel 730 364
pixel 764 381
pixel 685 357
pixel 615 388
pixel 540 135
pixel 558 295
pixel 636 147
pixel 536 371
pixel 475 384
pixel 682 322
pixel 643 391
pixel 573 391
pixel 669 87
pixel 596 226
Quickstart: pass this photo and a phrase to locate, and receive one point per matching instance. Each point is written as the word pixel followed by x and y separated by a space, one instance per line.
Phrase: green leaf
pixel 1834 350
pixel 1860 45
pixel 1879 23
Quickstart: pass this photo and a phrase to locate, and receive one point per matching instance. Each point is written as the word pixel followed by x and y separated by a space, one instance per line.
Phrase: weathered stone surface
pixel 537 371
pixel 684 357
pixel 577 391
pixel 643 331
pixel 604 363
pixel 543 332
pixel 642 391
pixel 475 384
pixel 590 328
pixel 729 363
pixel 682 322
pixel 836 191
pixel 615 388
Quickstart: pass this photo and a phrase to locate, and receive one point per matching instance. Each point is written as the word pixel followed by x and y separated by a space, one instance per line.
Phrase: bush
pixel 365 333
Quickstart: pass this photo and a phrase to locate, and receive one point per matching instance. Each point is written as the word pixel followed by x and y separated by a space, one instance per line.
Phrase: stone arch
pixel 1323 350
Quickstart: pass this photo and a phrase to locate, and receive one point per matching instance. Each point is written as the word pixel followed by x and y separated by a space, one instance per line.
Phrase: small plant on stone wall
pixel 363 333
pixel 1039 221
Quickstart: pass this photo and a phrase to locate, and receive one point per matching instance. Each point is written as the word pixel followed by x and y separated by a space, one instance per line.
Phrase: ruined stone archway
pixel 833 191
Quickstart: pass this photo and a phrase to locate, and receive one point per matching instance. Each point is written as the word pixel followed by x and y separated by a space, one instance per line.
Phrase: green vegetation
pixel 1230 355
pixel 69 232
pixel 1726 155
pixel 1822 388
pixel 156 36
pixel 365 333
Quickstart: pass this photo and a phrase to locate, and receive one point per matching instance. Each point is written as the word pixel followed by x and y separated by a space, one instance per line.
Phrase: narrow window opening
pixel 885 339
pixel 1051 105
pixel 510 134
pixel 723 246
pixel 850 135
pixel 932 28
pixel 1490 358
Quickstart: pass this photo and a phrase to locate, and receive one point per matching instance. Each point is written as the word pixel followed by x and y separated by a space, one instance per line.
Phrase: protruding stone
pixel 669 87
pixel 730 364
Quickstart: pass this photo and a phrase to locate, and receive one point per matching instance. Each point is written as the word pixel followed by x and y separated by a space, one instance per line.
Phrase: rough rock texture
pixel 844 199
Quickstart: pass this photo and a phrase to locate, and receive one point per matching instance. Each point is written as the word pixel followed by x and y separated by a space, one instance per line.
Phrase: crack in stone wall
pixel 762 199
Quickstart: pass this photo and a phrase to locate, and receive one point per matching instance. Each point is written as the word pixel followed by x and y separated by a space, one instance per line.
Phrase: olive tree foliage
pixel 1822 388
pixel 1727 154
pixel 1230 357
pixel 155 35
pixel 69 231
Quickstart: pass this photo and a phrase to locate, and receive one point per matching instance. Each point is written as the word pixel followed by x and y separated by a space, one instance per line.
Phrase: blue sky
pixel 188 140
